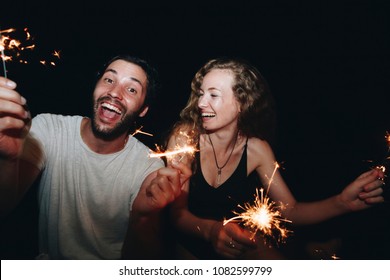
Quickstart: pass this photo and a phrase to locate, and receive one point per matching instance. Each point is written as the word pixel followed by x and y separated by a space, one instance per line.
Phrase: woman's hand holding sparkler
pixel 231 240
pixel 364 191
pixel 15 120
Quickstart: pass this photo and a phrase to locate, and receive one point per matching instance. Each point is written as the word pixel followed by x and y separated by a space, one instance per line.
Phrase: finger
pixel 234 249
pixel 373 193
pixel 377 184
pixel 173 177
pixel 371 173
pixel 12 108
pixel 185 170
pixel 374 200
pixel 367 177
pixel 11 95
pixel 10 123
pixel 158 199
pixel 367 173
pixel 159 196
pixel 5 82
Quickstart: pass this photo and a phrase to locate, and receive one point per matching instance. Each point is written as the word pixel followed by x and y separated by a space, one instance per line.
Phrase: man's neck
pixel 100 145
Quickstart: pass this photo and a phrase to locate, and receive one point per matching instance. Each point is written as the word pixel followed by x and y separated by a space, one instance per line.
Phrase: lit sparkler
pixel 15 47
pixel 185 146
pixel 187 149
pixel 383 165
pixel 387 137
pixel 263 215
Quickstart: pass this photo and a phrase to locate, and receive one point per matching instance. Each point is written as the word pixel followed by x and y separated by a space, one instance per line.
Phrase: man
pixel 95 176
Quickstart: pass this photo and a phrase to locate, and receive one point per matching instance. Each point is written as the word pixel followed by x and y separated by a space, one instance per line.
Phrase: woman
pixel 226 116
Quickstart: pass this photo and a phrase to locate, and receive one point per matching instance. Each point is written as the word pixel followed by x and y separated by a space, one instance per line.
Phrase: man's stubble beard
pixel 122 127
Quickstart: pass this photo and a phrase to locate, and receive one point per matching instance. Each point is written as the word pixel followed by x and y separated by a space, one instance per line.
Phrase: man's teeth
pixel 111 107
pixel 208 115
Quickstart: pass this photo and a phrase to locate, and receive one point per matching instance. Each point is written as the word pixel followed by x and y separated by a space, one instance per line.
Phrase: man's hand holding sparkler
pixel 364 191
pixel 161 188
pixel 143 240
pixel 15 120
pixel 15 123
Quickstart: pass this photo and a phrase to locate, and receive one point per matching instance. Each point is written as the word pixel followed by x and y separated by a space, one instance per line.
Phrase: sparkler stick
pixel 3 55
pixel 263 216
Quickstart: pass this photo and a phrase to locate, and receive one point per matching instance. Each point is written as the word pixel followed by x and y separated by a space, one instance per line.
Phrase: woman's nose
pixel 202 102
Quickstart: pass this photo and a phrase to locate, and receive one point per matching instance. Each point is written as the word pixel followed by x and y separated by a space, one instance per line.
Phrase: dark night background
pixel 327 63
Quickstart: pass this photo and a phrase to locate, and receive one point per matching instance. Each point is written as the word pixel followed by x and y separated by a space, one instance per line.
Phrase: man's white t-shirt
pixel 85 198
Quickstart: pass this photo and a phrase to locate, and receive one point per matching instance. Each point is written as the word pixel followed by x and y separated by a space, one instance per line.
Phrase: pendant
pixel 219 176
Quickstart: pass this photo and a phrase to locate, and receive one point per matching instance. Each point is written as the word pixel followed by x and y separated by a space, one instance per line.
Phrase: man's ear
pixel 143 112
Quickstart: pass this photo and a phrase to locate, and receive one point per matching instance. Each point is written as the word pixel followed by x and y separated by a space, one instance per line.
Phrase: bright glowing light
pixel 263 215
pixel 185 146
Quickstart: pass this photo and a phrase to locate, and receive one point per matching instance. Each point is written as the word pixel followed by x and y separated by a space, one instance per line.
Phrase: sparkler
pixel 387 137
pixel 263 215
pixel 185 147
pixel 383 165
pixel 15 48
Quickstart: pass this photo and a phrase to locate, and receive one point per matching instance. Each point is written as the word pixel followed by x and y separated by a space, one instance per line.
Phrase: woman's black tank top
pixel 219 203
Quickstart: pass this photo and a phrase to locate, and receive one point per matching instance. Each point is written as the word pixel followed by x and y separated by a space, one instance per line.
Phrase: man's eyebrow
pixel 110 70
pixel 131 78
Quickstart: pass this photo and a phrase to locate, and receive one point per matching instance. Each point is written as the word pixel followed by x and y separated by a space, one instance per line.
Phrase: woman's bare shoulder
pixel 259 150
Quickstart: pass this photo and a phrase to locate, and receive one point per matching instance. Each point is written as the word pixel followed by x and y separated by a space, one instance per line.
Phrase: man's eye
pixel 131 90
pixel 108 80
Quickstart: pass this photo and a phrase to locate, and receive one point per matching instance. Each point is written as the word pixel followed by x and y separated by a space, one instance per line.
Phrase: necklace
pixel 216 161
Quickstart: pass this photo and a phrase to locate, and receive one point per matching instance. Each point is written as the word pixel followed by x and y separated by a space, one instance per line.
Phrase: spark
pixel 271 179
pixel 263 215
pixel 335 257
pixel 138 130
pixel 16 47
pixel 57 54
